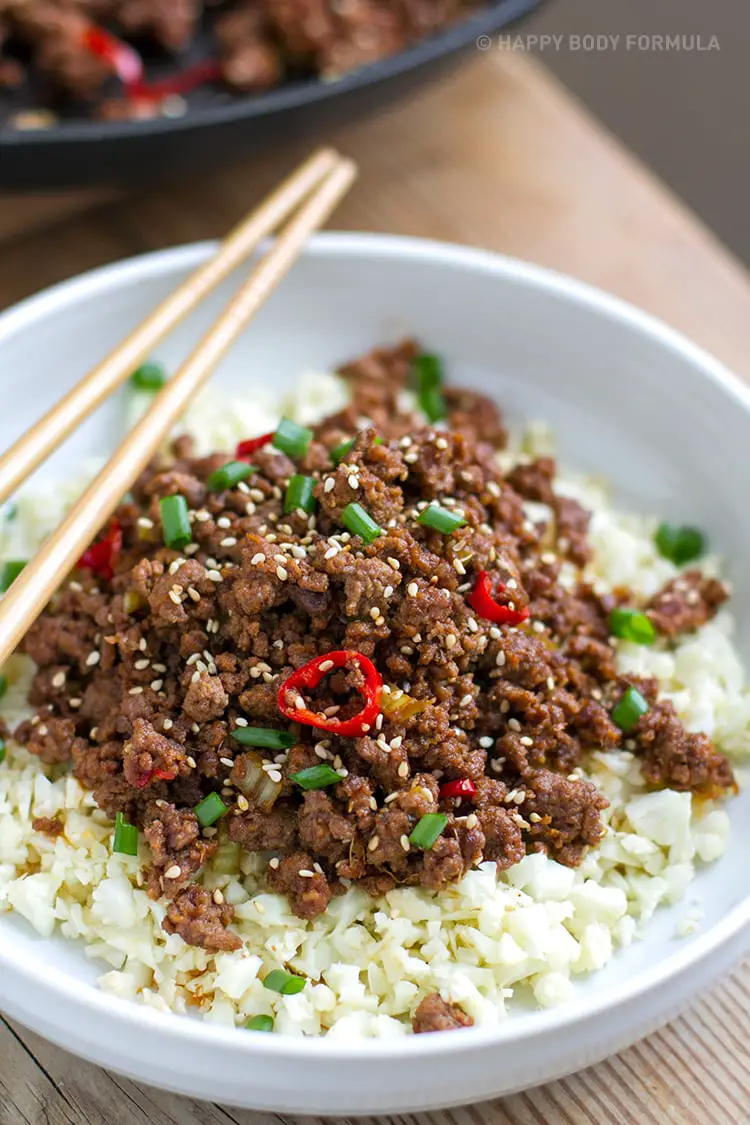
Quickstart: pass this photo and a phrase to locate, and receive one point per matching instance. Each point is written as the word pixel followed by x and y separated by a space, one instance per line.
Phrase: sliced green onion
pixel 265 737
pixel 427 830
pixel 339 452
pixel 260 1023
pixel 175 521
pixel 292 439
pixel 680 544
pixel 440 519
pixel 210 809
pixel 126 837
pixel 149 377
pixel 316 777
pixel 299 494
pixel 10 573
pixel 628 711
pixel 286 983
pixel 3 685
pixel 432 404
pixel 356 520
pixel 229 475
pixel 428 370
pixel 2 749
pixel 632 625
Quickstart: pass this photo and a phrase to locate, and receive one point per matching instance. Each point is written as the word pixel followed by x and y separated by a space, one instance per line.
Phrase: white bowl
pixel 667 423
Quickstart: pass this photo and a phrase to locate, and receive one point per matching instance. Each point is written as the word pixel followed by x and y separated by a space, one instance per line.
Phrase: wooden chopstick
pixel 33 588
pixel 44 437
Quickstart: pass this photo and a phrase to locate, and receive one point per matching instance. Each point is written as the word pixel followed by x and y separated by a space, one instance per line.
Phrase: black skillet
pixel 217 124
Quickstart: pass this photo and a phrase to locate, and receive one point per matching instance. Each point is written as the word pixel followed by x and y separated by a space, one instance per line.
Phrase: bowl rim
pixel 286 97
pixel 520 1027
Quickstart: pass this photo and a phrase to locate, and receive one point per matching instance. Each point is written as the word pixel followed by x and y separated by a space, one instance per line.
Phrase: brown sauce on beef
pixel 147 674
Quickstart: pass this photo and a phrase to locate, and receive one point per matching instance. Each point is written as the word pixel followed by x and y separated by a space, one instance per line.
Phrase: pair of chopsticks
pixel 315 189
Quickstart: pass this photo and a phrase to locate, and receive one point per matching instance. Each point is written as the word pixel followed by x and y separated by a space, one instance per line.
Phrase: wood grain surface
pixel 496 156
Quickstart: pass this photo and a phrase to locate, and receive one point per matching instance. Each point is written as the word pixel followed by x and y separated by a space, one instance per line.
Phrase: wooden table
pixel 497 156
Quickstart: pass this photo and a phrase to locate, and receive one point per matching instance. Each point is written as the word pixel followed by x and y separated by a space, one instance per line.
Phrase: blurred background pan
pixel 217 124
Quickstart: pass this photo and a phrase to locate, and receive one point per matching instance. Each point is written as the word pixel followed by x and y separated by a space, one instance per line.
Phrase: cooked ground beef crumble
pixel 142 678
pixel 77 49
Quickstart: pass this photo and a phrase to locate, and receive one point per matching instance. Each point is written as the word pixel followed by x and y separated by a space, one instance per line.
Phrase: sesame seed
pixel 167 724
pixel 450 641
pixel 242 803
pixel 58 679
pixel 548 558
pixel 353 481
pixel 441 443
pixel 403 770
pixel 372 845
pixel 92 659
pixel 223 522
pixel 282 574
pixel 213 575
pixel 195 677
pixel 174 597
pixel 218 897
pixel 390 797
pixel 405 843
pixel 472 820
pixel 396 742
pixel 256 495
pixel 513 723
pixel 526 741
pixel 550 683
pixel 394 564
pixel 191 762
pixel 230 541
pixel 159 667
pixel 472 624
pixel 227 762
pixel 459 567
pixel 306 874
pixel 202 515
pixel 157 685
pixel 274 863
pixel 411 458
pixel 497 764
pixel 534 817
pixel 538 627
pixel 274 775
pixel 379 723
pixel 412 589
pixel 486 742
pixel 329 485
pixel 132 691
pixel 173 872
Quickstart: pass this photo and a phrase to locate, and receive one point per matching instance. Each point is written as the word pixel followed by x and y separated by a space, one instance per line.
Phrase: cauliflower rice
pixel 483 943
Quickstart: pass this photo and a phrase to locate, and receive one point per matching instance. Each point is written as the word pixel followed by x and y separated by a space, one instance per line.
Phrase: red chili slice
pixel 482 602
pixel 312 674
pixel 462 787
pixel 101 557
pixel 247 448
pixel 185 82
pixel 125 62
pixel 127 65
pixel 161 775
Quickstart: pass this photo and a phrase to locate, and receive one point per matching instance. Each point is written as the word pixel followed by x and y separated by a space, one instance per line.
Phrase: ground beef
pixel 677 758
pixel 199 919
pixel 145 681
pixel 307 889
pixel 49 825
pixel 436 1014
pixel 686 603
pixel 256 41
